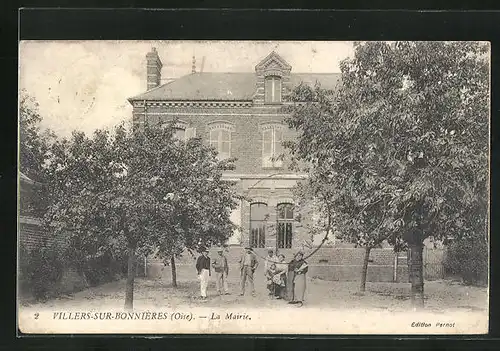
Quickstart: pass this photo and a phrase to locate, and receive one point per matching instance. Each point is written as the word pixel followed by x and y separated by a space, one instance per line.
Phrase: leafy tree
pixel 403 141
pixel 34 144
pixel 137 192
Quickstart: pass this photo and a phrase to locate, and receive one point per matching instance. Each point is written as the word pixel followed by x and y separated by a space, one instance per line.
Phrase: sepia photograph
pixel 253 187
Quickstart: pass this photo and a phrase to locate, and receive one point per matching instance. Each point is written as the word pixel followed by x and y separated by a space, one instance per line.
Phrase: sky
pixel 84 85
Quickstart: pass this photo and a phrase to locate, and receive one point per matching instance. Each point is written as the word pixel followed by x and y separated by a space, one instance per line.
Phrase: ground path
pixel 440 296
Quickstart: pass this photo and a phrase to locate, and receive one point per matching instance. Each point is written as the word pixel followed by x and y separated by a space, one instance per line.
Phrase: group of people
pixel 285 280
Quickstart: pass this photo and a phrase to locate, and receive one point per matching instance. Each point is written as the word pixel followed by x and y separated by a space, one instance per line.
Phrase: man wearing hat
pixel 221 269
pixel 248 265
pixel 203 268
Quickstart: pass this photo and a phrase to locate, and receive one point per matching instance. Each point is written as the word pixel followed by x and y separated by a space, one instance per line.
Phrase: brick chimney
pixel 154 66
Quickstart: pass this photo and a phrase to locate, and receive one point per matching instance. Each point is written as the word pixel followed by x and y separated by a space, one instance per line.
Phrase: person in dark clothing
pixel 290 277
pixel 299 282
pixel 203 269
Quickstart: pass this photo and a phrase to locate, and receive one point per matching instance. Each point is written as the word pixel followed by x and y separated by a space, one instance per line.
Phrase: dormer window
pixel 273 80
pixel 272 90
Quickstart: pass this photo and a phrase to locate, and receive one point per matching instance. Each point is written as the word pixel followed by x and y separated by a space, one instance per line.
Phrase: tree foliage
pixel 403 142
pixel 401 147
pixel 34 145
pixel 141 191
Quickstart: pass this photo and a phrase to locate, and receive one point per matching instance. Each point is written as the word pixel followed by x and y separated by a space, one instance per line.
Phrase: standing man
pixel 221 269
pixel 203 268
pixel 248 265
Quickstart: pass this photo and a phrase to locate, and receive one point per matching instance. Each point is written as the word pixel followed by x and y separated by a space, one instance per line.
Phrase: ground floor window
pixel 285 225
pixel 258 217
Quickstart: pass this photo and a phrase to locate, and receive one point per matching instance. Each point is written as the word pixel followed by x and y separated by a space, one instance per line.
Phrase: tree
pixel 113 193
pixel 351 208
pixel 34 144
pixel 406 135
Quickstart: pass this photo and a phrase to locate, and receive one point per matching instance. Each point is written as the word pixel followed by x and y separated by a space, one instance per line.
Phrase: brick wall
pixel 343 264
pixel 246 139
pixel 31 234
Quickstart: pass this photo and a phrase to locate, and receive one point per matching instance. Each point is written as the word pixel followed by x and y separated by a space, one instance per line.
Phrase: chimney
pixel 154 66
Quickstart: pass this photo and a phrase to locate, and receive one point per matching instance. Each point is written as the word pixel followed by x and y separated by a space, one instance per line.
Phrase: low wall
pixel 32 236
pixel 157 270
pixel 338 264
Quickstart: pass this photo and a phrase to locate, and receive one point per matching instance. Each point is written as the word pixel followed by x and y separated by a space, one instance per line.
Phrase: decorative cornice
pixel 294 176
pixel 273 58
pixel 202 104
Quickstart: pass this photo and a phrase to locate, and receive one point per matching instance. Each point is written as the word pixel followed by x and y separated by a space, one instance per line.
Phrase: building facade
pixel 239 114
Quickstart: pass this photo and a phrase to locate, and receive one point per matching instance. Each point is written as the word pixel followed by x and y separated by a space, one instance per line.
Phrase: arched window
pixel 272 149
pixel 285 225
pixel 258 218
pixel 220 138
pixel 181 130
pixel 272 90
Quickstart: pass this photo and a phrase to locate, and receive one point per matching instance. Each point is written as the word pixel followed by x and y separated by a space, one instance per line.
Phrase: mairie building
pixel 240 115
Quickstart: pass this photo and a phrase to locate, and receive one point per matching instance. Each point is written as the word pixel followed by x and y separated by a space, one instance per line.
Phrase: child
pixel 270 273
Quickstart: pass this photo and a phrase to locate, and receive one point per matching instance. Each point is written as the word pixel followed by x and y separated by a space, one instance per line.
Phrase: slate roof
pixel 225 86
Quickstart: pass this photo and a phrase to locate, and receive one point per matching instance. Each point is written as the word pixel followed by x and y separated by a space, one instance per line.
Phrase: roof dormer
pixel 273 80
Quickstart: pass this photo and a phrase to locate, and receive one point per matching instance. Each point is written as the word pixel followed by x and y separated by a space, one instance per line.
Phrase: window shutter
pixel 268 89
pixel 277 90
pixel 267 148
pixel 277 147
pixel 214 139
pixel 225 144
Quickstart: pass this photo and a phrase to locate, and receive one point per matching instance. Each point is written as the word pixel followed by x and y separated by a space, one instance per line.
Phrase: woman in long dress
pixel 281 269
pixel 300 270
pixel 290 277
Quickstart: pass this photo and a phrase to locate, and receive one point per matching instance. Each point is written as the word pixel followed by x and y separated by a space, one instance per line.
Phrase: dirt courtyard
pixel 440 296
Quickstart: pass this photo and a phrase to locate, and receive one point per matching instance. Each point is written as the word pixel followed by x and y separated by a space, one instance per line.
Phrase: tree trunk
pixel 416 275
pixel 364 270
pixel 129 292
pixel 174 272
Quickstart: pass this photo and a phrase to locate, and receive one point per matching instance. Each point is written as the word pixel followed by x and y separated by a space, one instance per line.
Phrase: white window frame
pixel 219 127
pixel 189 132
pixel 269 160
pixel 274 80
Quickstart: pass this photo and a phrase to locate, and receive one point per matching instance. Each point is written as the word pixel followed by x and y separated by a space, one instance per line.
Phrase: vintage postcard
pixel 253 187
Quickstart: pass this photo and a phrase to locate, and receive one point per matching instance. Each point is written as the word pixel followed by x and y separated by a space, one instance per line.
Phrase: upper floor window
pixel 272 137
pixel 182 131
pixel 272 89
pixel 179 133
pixel 220 138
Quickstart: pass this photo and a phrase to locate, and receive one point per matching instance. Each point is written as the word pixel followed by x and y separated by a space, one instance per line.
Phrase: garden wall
pixel 339 264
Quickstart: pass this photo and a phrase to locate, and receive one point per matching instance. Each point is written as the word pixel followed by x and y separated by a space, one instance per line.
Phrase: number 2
pixel 36 315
